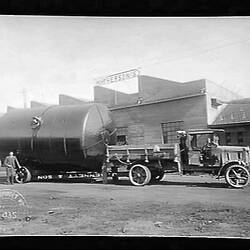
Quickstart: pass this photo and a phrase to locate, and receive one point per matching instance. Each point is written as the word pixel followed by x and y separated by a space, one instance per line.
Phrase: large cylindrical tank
pixel 69 137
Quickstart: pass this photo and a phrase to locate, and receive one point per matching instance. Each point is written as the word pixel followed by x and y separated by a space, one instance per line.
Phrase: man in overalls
pixel 10 165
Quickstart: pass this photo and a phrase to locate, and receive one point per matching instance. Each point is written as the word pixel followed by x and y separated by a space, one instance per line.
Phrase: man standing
pixel 10 165
pixel 182 135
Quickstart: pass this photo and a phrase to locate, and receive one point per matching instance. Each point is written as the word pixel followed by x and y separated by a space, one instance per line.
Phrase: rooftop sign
pixel 118 77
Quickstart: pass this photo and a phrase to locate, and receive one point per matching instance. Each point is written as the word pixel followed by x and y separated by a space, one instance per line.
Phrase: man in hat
pixel 10 165
pixel 182 136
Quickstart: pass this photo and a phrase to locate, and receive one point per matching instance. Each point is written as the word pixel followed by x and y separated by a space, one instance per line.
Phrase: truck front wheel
pixel 237 176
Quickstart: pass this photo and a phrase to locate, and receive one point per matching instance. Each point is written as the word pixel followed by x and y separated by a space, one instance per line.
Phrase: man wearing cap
pixel 10 165
pixel 182 135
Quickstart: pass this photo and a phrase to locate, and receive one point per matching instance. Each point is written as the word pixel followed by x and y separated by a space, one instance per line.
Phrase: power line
pixel 195 53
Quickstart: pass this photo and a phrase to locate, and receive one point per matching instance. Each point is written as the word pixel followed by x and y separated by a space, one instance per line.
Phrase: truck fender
pixel 228 164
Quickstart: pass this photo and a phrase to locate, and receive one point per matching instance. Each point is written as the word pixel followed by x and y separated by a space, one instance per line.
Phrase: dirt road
pixel 177 206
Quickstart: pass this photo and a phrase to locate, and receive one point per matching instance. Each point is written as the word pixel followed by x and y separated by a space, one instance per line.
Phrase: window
pixel 240 137
pixel 197 141
pixel 169 130
pixel 244 115
pixel 121 140
pixel 228 138
pixel 122 134
pixel 215 103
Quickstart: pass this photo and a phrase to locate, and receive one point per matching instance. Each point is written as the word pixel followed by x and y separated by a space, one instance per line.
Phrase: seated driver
pixel 210 154
pixel 216 140
pixel 211 143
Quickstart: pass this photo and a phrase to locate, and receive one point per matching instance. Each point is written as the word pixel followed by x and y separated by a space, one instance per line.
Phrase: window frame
pixel 122 131
pixel 240 137
pixel 228 135
pixel 173 128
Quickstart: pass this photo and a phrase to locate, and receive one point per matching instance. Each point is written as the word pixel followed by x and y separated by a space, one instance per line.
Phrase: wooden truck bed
pixel 141 163
pixel 143 152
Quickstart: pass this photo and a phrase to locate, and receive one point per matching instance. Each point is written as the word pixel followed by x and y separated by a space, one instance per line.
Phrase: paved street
pixel 178 205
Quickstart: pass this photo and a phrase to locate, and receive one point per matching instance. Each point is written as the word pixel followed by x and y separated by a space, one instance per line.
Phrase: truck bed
pixel 142 152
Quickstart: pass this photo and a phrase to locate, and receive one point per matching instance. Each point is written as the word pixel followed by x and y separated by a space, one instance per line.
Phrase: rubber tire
pixel 227 176
pixel 28 177
pixel 148 175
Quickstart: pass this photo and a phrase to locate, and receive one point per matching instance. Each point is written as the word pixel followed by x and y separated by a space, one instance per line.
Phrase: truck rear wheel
pixel 139 175
pixel 237 176
pixel 23 175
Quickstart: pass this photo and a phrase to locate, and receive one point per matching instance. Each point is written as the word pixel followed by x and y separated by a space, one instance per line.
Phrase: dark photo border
pixel 125 7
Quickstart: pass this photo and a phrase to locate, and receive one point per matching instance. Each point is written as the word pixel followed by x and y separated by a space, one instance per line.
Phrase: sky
pixel 46 56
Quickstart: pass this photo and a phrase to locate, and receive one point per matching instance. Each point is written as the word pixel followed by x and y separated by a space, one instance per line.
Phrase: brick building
pixel 161 107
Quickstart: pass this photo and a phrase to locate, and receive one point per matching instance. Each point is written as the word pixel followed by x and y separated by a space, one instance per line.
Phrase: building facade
pixel 161 107
pixel 235 120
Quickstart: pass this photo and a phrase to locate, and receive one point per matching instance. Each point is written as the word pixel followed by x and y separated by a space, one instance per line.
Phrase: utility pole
pixel 24 93
pixel 139 82
pixel 116 97
pixel 139 87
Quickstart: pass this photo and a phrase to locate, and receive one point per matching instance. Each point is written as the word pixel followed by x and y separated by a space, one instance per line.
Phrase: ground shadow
pixel 126 182
pixel 177 183
pixel 4 181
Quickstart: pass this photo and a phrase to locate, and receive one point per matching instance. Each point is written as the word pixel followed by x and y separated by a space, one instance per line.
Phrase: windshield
pixel 197 141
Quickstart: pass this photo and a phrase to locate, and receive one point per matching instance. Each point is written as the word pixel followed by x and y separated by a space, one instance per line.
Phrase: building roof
pixel 70 100
pixel 9 108
pixel 237 111
pixel 204 131
pixel 151 89
pixel 122 106
pixel 34 104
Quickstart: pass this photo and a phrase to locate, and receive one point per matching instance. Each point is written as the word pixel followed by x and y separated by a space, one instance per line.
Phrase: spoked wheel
pixel 23 175
pixel 139 175
pixel 237 176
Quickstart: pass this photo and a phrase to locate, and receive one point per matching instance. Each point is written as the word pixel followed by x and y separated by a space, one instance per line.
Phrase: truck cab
pixel 200 150
pixel 203 145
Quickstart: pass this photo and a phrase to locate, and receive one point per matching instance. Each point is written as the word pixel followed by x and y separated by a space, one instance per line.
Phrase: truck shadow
pixel 193 184
pixel 177 183
pixel 126 182
pixel 3 181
